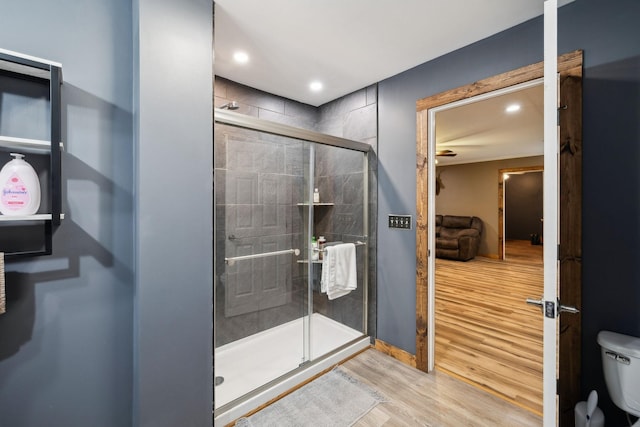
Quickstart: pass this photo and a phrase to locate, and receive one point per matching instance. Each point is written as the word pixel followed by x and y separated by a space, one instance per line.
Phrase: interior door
pixel 549 300
pixel 562 301
pixel 562 293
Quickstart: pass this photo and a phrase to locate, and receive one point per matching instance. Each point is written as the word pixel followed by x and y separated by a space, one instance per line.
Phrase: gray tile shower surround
pixel 262 179
pixel 261 214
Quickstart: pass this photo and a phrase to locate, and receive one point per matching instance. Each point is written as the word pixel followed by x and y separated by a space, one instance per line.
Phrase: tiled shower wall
pixel 354 116
pixel 259 181
pixel 338 177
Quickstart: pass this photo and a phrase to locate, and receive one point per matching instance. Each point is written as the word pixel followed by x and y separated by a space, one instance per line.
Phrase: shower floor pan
pixel 256 360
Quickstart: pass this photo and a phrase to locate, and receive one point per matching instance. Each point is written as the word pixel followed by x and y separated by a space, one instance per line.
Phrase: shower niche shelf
pixel 32 235
pixel 324 204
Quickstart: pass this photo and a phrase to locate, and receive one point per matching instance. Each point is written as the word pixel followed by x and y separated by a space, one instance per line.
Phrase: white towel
pixel 2 296
pixel 339 274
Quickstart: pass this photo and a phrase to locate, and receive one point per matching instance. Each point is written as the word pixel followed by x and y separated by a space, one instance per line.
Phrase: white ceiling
pixel 484 131
pixel 349 44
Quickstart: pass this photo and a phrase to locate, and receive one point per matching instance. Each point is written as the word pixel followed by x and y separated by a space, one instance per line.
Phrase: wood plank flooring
pixel 485 332
pixel 523 251
pixel 435 399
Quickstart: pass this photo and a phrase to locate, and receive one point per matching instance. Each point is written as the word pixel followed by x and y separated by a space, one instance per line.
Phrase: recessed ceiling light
pixel 512 108
pixel 241 57
pixel 315 86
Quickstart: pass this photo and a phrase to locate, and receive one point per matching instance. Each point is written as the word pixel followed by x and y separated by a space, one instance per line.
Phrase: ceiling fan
pixel 446 153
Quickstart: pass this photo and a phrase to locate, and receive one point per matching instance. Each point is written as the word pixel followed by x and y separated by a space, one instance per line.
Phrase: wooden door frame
pixel 570 217
pixel 501 173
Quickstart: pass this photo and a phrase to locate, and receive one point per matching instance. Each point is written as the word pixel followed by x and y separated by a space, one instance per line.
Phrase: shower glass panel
pixel 272 320
pixel 261 292
pixel 339 217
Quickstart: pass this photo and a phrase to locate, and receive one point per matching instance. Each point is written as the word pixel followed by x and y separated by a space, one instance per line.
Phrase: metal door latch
pixel 551 309
pixel 568 309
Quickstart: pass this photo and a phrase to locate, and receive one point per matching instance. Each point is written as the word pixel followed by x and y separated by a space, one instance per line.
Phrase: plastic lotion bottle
pixel 20 188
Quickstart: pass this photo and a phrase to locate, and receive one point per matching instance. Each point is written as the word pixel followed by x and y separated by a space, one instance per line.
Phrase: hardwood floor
pixel 435 399
pixel 523 251
pixel 485 332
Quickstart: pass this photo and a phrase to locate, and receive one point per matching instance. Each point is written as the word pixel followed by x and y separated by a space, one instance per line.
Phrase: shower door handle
pixel 232 260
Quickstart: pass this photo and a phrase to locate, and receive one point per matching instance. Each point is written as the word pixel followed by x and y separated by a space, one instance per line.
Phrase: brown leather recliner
pixel 457 237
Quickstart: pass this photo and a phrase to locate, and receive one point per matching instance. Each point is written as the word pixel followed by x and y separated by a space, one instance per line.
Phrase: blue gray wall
pixel 66 340
pixel 115 328
pixel 397 98
pixel 608 33
pixel 173 316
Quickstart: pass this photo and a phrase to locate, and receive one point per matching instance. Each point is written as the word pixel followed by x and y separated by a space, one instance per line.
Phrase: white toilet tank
pixel 621 364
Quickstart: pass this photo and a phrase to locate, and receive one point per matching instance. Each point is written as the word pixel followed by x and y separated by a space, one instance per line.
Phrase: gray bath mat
pixel 332 400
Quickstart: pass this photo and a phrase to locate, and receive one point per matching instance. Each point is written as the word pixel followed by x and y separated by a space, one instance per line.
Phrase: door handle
pixel 568 309
pixel 536 302
pixel 548 308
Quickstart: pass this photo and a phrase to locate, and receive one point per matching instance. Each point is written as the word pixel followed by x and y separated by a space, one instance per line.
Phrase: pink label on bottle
pixel 14 194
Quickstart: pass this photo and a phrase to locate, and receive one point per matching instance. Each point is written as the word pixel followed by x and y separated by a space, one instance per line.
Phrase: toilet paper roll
pixel 597 419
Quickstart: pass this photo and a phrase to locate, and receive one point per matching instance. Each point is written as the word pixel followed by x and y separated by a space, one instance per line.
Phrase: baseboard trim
pixel 490 256
pixel 395 352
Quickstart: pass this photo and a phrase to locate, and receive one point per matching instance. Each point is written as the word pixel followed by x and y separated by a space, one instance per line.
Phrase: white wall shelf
pixel 36 217
pixel 28 65
pixel 26 145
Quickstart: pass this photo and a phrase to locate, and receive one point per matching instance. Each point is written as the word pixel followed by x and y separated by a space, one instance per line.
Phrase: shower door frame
pixel 227 117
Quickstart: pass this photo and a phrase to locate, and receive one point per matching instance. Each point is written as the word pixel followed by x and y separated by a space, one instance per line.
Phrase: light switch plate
pixel 400 221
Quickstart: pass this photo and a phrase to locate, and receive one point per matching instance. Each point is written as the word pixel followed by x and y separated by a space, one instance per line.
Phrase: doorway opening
pixel 484 334
pixel 520 208
pixel 569 220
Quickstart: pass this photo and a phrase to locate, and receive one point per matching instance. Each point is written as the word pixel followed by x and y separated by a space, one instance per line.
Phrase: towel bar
pixel 358 243
pixel 232 260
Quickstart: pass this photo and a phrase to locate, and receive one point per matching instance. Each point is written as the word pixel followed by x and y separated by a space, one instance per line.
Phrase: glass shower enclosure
pixel 274 327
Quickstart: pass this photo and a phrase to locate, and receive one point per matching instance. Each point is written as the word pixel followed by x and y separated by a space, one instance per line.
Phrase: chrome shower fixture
pixel 233 105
